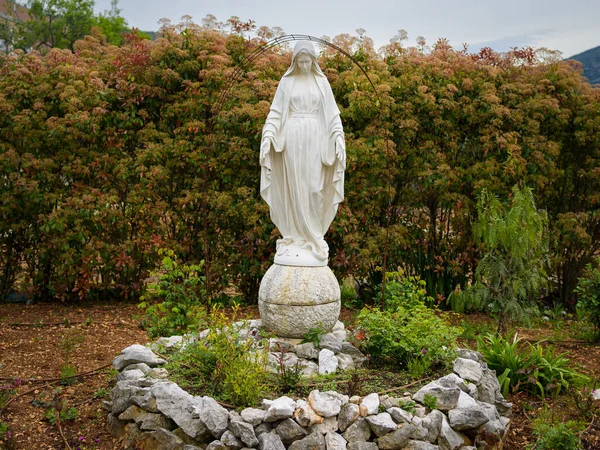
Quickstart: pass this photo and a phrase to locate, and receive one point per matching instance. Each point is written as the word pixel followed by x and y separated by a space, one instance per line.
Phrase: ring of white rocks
pixel 149 411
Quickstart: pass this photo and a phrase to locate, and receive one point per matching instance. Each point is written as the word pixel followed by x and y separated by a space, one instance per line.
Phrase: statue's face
pixel 304 63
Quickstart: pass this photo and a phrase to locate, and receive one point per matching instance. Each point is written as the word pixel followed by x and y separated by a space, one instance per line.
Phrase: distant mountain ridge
pixel 591 64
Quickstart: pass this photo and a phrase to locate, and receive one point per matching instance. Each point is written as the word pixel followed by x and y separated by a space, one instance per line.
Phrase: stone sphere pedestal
pixel 294 299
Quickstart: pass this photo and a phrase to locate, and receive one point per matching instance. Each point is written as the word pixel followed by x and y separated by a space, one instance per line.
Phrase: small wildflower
pixel 424 351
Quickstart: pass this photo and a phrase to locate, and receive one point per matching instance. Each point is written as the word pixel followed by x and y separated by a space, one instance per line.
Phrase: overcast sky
pixel 569 26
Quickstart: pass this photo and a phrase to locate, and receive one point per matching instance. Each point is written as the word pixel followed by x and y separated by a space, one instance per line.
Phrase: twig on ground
pixel 62 435
pixel 43 380
pixel 405 386
pixel 12 399
pixel 56 324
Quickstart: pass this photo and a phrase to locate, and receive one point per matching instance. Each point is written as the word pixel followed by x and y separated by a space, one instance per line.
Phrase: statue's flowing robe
pixel 302 180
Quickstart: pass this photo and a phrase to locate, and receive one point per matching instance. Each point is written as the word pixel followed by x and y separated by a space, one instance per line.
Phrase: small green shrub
pixel 314 335
pixel 5 436
pixel 100 393
pixel 349 296
pixel 67 374
pixel 287 376
pixel 65 415
pixel 430 402
pixel 222 364
pixel 418 366
pixel 528 367
pixel 588 295
pixel 406 334
pixel 472 330
pixel 403 291
pixel 181 296
pixel 408 406
pixel 556 437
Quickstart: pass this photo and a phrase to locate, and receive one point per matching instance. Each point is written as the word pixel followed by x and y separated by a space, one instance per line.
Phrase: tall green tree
pixel 55 24
pixel 514 244
pixel 60 23
pixel 112 24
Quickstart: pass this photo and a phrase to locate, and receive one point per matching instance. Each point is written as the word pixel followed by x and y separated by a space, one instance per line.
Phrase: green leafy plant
pixel 65 415
pixel 6 440
pixel 588 295
pixel 287 376
pixel 100 393
pixel 430 402
pixel 418 366
pixel 314 335
pixel 222 364
pixel 528 367
pixel 514 243
pixel 176 302
pixel 67 374
pixel 409 406
pixel 472 330
pixel 406 334
pixel 349 296
pixel 562 436
pixel 403 291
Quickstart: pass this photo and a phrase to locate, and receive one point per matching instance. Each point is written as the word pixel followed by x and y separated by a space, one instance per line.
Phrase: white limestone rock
pixel 468 369
pixel 269 441
pixel 331 342
pixel 158 373
pixel 357 356
pixel 308 368
pixel 289 431
pixel 305 415
pixel 325 403
pixel 327 362
pixel 122 394
pixel 140 366
pixel 345 362
pixel 329 425
pixel 253 416
pixel 420 445
pixel 135 354
pixel 381 423
pixel 231 441
pixel 160 438
pixel 397 439
pixel 447 398
pixel 348 415
pixel 467 418
pixel 371 403
pixel 448 438
pixel 358 431
pixel 399 415
pixel 130 375
pixel 176 404
pixel 307 351
pixel 242 430
pixel 281 408
pixel 314 441
pixel 335 441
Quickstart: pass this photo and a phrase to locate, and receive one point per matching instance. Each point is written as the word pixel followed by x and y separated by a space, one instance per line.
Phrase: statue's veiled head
pixel 302 50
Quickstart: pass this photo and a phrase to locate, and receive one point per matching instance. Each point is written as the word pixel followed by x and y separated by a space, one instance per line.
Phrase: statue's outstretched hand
pixel 265 148
pixel 340 149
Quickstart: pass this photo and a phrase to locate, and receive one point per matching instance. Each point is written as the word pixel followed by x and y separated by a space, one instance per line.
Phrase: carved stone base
pixel 292 300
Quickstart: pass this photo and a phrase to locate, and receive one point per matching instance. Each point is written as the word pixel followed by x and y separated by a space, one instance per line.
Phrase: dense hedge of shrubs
pixel 109 153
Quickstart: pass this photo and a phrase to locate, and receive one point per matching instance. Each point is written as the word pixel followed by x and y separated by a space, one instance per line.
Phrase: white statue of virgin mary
pixel 302 158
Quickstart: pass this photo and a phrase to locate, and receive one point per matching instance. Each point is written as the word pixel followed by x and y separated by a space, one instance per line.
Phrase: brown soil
pixel 35 342
pixel 39 351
